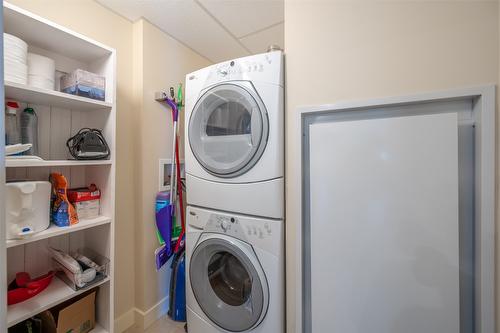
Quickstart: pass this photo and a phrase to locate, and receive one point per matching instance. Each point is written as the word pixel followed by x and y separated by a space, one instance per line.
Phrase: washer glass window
pixel 229 278
pixel 228 129
pixel 228 286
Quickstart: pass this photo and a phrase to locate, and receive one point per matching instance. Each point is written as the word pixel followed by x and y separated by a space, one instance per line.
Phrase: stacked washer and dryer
pixel 235 194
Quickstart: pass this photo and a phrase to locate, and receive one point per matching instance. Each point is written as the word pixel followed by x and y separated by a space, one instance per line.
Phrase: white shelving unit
pixel 60 116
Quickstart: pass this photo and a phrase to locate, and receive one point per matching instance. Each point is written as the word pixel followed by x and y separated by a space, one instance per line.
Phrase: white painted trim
pixel 485 188
pixel 144 319
pixel 476 91
pixel 125 321
pixel 3 253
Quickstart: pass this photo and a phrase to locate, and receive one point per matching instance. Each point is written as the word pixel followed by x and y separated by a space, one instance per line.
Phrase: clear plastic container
pixel 12 133
pixel 102 270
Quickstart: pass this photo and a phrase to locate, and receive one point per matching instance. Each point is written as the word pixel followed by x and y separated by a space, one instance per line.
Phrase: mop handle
pixel 173 184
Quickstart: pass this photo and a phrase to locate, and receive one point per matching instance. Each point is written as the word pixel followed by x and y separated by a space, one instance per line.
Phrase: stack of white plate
pixel 41 71
pixel 15 59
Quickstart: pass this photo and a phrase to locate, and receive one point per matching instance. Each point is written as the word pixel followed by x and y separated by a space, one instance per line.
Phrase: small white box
pixel 87 209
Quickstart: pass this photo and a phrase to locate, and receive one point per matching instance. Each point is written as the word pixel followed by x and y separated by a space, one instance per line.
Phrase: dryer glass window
pixel 229 278
pixel 228 129
pixel 230 118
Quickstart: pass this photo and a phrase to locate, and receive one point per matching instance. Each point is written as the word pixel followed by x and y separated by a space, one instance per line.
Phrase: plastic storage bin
pixel 83 83
pixel 102 271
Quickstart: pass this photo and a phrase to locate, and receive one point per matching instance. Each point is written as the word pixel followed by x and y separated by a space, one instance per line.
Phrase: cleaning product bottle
pixel 162 201
pixel 12 136
pixel 29 130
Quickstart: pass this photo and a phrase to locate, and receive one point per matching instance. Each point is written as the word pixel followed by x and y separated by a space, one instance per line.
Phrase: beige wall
pixel 341 50
pixel 160 62
pixel 91 19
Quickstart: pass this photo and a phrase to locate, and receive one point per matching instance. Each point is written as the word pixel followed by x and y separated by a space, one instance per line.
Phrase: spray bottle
pixel 12 136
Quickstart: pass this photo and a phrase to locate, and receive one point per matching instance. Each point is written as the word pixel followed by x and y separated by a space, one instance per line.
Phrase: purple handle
pixel 173 105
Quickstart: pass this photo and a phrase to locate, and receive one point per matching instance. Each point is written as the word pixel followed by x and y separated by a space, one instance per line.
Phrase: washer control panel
pixel 236 227
pixel 262 233
pixel 225 224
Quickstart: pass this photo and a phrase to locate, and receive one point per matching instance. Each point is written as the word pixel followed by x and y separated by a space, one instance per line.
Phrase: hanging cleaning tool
pixel 180 240
pixel 166 216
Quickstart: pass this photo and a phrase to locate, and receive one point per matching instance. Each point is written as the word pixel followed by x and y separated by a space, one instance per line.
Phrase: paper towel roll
pixel 41 82
pixel 41 66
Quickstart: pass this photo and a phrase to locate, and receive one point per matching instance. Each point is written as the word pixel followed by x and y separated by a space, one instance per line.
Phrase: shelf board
pixel 54 230
pixel 36 30
pixel 22 163
pixel 32 95
pixel 56 293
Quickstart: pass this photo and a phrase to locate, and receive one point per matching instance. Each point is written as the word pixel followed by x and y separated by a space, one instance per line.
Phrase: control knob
pixel 223 226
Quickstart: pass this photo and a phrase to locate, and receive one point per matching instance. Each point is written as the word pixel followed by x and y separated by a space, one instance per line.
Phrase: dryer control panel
pixel 265 68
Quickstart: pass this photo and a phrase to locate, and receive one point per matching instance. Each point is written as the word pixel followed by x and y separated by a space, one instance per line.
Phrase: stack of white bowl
pixel 41 71
pixel 15 59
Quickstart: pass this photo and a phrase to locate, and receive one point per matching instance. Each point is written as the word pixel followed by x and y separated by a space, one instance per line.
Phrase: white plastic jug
pixel 27 208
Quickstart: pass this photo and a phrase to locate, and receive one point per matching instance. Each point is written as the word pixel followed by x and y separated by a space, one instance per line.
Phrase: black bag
pixel 88 144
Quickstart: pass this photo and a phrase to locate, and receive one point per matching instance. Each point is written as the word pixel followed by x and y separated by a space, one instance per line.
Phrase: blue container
pixel 177 310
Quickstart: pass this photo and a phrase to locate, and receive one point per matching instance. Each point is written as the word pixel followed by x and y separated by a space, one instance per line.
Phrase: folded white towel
pixel 17 148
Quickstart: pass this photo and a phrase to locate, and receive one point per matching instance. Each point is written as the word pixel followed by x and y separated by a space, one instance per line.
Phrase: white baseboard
pixel 144 319
pixel 125 321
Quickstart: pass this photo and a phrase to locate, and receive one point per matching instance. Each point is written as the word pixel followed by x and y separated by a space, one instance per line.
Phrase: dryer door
pixel 228 283
pixel 228 129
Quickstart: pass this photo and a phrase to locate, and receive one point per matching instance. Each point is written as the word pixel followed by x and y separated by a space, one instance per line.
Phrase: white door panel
pixel 384 225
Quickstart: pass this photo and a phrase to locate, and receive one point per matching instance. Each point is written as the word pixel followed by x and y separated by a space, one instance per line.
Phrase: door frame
pixel 3 254
pixel 484 99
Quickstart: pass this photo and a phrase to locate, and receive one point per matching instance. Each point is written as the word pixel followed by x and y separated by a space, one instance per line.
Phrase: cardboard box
pixel 71 316
pixel 87 209
pixel 86 201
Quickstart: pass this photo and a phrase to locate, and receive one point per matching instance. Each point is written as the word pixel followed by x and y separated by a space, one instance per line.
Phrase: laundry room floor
pixel 163 325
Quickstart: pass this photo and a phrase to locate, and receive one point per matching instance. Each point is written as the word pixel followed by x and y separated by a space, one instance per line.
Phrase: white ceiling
pixel 217 29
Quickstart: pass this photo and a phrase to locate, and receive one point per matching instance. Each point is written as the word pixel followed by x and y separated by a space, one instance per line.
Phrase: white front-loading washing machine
pixel 235 279
pixel 235 136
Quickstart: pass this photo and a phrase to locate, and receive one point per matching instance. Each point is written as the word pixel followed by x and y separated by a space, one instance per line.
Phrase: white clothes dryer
pixel 235 136
pixel 235 273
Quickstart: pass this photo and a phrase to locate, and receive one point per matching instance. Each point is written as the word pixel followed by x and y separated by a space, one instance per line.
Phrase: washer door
pixel 229 283
pixel 228 129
